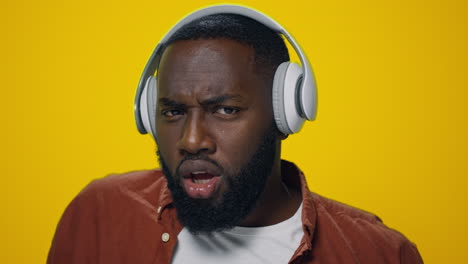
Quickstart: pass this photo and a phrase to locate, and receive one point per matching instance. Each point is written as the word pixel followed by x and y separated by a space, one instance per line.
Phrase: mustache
pixel 197 157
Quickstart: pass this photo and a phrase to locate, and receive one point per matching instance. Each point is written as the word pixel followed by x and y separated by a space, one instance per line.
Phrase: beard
pixel 242 192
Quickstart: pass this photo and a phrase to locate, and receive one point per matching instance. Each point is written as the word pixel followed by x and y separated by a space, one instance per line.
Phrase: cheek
pixel 237 143
pixel 166 144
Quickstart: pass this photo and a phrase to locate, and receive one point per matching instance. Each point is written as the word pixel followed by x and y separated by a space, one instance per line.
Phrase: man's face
pixel 214 131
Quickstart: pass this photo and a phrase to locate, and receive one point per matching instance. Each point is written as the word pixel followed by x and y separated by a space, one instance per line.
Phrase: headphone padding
pixel 292 102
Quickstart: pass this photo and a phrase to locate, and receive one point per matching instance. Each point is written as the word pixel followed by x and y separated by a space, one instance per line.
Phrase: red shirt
pixel 129 218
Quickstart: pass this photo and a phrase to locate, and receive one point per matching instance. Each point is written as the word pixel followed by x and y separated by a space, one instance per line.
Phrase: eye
pixel 171 112
pixel 227 110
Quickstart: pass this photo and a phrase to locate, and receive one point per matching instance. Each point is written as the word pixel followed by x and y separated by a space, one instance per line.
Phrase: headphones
pixel 294 90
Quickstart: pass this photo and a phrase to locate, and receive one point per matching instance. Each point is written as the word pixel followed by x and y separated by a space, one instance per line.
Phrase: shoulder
pixel 341 212
pixel 362 233
pixel 116 202
pixel 132 180
pixel 136 181
pixel 137 190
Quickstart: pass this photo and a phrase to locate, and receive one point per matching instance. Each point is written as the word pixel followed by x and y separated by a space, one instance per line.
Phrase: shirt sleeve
pixel 76 236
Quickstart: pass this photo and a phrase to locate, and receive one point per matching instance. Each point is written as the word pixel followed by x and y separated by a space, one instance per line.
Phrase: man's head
pixel 214 123
pixel 269 48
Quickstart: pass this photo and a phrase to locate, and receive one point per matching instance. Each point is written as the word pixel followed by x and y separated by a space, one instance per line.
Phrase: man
pixel 224 194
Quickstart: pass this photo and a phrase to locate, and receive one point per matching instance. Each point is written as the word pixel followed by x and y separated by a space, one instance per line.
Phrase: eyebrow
pixel 210 101
pixel 221 99
pixel 169 102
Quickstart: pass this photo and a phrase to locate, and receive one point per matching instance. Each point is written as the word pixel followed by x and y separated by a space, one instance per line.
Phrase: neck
pixel 277 202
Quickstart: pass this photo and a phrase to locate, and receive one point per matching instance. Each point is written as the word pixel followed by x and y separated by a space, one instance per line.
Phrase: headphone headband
pixel 309 95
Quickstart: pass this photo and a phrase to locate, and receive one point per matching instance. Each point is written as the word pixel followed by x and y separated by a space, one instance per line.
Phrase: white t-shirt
pixel 269 244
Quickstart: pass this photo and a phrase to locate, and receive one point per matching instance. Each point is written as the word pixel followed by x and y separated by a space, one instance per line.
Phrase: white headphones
pixel 294 90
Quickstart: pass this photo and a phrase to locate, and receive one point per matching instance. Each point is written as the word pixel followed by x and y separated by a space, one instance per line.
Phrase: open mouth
pixel 201 185
pixel 200 178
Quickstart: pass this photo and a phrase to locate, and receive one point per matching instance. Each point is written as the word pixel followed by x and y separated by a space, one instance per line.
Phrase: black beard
pixel 243 191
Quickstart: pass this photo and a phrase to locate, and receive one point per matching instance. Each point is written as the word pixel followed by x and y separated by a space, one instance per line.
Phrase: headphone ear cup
pixel 278 98
pixel 148 105
pixel 152 103
pixel 286 84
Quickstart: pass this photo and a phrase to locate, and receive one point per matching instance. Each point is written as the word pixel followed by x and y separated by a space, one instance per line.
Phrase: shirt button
pixel 165 237
pixel 159 209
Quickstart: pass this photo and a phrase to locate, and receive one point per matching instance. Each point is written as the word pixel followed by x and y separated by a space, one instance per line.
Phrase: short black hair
pixel 270 49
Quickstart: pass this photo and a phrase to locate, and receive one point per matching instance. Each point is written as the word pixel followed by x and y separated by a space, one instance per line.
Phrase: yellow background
pixel 390 135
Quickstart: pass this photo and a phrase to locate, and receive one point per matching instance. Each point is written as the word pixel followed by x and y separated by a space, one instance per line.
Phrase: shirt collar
pixel 165 199
pixel 294 177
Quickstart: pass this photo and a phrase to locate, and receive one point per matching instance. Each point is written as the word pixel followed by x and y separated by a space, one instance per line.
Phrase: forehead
pixel 208 66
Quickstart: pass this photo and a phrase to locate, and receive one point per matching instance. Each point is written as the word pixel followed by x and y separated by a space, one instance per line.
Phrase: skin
pixel 213 101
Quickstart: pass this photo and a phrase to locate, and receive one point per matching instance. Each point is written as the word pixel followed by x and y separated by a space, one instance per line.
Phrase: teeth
pixel 200 181
pixel 198 172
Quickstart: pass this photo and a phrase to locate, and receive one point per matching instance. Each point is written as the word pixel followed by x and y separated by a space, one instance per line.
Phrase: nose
pixel 195 138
